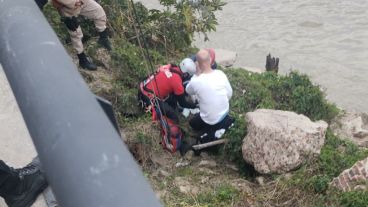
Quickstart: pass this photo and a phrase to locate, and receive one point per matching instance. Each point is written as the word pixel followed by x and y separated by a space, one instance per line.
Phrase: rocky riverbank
pixel 310 155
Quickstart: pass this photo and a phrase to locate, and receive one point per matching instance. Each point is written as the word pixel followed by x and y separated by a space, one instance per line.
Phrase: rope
pixel 148 58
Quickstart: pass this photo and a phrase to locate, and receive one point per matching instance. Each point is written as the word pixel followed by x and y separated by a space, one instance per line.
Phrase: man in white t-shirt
pixel 213 91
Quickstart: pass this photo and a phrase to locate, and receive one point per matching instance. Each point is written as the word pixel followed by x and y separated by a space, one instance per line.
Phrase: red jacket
pixel 168 79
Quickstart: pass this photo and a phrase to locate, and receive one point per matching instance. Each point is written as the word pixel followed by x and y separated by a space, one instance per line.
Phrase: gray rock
pixel 233 167
pixel 225 58
pixel 280 141
pixel 204 155
pixel 164 173
pixel 205 179
pixel 354 178
pixel 185 187
pixel 352 126
pixel 208 163
pixel 189 155
pixel 207 171
pixel 260 180
pixel 182 164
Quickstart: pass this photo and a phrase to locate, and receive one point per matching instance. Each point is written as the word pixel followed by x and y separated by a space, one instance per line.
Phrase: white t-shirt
pixel 213 91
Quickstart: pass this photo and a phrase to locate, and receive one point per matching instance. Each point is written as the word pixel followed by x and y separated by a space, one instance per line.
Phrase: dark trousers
pixel 207 132
pixel 167 107
pixel 8 179
pixel 198 124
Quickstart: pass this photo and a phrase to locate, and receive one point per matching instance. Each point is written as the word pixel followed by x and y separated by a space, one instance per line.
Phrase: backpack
pixel 171 133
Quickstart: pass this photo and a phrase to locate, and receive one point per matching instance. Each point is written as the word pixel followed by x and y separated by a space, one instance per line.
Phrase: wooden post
pixel 209 144
pixel 272 64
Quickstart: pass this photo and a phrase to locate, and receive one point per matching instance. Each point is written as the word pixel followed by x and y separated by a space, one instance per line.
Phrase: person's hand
pixel 185 112
pixel 71 23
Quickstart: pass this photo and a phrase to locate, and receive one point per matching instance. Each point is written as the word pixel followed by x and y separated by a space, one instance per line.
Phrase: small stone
pixel 164 173
pixel 287 176
pixel 208 163
pixel 360 187
pixel 208 171
pixel 204 155
pixel 160 194
pixel 205 180
pixel 233 167
pixel 194 190
pixel 189 155
pixel 260 180
pixel 184 189
pixel 182 164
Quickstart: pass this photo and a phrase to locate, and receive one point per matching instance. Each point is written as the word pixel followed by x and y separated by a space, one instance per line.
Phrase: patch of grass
pixel 337 155
pixel 184 172
pixel 221 195
pixel 354 199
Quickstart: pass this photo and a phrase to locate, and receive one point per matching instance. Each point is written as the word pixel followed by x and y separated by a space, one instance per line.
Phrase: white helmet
pixel 188 66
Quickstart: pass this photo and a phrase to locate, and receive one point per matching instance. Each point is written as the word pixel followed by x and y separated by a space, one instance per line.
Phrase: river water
pixel 328 40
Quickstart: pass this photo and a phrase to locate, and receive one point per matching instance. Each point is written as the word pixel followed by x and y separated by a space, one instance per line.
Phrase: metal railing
pixel 86 162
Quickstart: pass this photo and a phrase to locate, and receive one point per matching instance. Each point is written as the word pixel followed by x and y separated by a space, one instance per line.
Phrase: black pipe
pixel 86 162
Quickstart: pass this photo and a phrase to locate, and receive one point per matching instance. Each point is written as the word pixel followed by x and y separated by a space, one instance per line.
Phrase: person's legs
pixel 198 124
pixel 76 38
pixel 172 101
pixel 168 111
pixel 214 132
pixel 92 10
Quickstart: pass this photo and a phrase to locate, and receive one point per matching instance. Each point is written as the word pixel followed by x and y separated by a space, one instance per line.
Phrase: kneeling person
pixel 167 86
pixel 213 90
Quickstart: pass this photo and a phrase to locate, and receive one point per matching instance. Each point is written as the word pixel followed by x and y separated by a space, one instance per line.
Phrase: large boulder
pixel 280 141
pixel 352 126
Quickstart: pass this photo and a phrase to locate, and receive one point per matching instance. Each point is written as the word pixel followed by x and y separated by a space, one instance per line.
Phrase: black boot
pixel 85 63
pixel 23 186
pixel 104 40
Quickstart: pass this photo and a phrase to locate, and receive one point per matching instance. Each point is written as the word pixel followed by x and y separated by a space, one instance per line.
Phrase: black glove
pixel 71 23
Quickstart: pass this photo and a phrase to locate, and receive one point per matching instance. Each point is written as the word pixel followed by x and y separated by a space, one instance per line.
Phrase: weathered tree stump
pixel 272 64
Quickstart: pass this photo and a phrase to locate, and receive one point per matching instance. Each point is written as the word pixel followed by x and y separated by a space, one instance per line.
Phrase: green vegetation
pixel 292 92
pixel 169 35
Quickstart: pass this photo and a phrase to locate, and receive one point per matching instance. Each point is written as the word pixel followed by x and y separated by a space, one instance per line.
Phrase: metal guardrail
pixel 86 162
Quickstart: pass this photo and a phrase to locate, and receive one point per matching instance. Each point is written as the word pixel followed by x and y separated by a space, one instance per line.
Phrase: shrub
pixel 167 31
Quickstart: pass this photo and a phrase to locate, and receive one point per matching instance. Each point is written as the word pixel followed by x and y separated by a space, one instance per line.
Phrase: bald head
pixel 204 60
